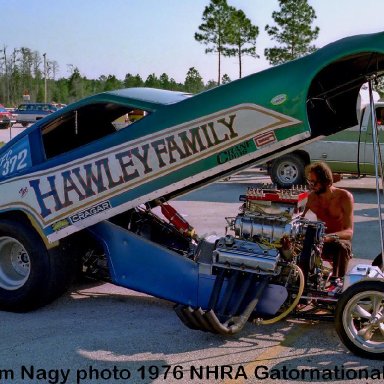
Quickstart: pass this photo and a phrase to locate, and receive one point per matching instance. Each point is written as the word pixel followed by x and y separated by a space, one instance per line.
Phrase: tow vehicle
pixel 345 152
pixel 78 189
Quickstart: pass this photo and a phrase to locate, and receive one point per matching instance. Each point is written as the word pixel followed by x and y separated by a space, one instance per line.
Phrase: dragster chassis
pixel 267 267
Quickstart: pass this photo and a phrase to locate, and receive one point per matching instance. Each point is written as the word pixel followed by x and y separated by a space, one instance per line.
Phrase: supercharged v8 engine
pixel 268 261
pixel 270 219
pixel 270 232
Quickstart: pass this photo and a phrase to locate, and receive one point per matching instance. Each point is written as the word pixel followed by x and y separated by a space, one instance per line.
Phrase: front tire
pixel 288 170
pixel 30 275
pixel 360 319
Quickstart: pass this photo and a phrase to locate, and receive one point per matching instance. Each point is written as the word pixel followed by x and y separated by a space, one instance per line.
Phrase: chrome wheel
pixel 287 172
pixel 30 274
pixel 363 321
pixel 15 265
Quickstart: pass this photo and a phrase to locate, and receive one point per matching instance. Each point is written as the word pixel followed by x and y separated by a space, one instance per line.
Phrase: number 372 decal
pixel 15 160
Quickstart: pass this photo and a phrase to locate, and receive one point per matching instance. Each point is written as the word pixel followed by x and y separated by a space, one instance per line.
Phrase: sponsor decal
pixel 60 225
pixel 23 191
pixel 233 153
pixel 84 214
pixel 265 139
pixel 279 99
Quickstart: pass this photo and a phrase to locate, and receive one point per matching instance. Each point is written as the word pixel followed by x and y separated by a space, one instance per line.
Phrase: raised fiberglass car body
pixel 77 187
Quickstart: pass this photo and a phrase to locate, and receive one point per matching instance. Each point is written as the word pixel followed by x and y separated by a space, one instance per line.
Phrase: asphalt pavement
pixel 10 133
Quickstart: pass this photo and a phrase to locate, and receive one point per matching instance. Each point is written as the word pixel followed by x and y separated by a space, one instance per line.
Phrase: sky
pixel 116 37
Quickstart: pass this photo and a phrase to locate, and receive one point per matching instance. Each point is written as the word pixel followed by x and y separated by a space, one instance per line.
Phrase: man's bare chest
pixel 327 209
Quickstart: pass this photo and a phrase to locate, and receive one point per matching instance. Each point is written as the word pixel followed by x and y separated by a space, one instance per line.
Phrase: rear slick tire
pixel 30 275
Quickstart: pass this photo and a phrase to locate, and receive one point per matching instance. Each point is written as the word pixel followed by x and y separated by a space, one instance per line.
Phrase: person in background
pixel 334 207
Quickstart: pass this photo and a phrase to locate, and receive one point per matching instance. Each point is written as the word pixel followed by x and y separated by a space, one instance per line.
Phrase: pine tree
pixel 241 35
pixel 212 31
pixel 293 31
pixel 193 81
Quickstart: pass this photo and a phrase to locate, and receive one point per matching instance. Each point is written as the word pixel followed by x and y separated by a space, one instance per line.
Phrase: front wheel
pixel 30 275
pixel 360 319
pixel 288 170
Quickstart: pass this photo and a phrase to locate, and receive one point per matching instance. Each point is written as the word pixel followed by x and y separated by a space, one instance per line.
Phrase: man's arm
pixel 346 233
pixel 307 205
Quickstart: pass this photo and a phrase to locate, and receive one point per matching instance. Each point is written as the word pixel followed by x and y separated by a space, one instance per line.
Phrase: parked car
pixel 6 118
pixel 31 112
pixel 349 151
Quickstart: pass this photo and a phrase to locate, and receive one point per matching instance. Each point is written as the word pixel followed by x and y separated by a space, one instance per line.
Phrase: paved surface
pixel 99 333
pixel 9 133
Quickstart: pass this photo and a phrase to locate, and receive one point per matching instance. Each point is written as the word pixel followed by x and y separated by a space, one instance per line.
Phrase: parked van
pixel 349 151
pixel 30 112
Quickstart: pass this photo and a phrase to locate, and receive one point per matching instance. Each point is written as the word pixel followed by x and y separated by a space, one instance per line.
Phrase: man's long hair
pixel 322 172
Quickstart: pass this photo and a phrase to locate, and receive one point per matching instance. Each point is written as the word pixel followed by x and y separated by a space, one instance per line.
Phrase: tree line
pixel 225 31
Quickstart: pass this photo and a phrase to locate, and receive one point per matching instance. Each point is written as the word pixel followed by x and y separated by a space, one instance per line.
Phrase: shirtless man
pixel 333 206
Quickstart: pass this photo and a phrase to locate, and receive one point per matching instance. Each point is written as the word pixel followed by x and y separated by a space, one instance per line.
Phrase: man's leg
pixel 340 252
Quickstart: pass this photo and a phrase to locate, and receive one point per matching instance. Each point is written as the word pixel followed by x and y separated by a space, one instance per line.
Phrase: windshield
pixel 85 125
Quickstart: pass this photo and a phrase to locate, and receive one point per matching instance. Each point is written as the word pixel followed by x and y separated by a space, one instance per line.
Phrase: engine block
pixel 269 229
pixel 245 255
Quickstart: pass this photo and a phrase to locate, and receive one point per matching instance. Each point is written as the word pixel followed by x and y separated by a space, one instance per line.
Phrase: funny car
pixel 80 189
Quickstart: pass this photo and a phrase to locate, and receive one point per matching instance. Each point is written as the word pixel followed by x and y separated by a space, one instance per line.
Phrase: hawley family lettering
pixel 60 190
